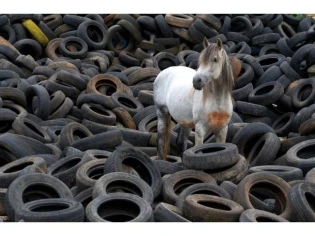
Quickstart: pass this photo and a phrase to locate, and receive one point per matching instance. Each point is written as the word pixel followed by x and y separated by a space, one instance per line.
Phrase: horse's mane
pixel 225 79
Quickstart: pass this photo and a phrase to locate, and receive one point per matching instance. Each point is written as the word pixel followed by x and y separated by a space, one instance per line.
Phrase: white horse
pixel 195 99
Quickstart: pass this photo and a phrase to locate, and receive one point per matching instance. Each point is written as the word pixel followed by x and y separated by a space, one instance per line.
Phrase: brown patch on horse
pixel 218 119
pixel 236 65
pixel 187 124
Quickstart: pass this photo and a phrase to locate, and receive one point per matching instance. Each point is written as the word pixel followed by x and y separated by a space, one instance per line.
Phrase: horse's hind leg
pixel 220 136
pixel 182 138
pixel 164 130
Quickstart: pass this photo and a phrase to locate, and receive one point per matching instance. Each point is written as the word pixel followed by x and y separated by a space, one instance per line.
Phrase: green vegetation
pixel 297 15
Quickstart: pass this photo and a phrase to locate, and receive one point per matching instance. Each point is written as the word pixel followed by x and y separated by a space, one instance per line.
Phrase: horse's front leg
pixel 164 129
pixel 220 136
pixel 201 131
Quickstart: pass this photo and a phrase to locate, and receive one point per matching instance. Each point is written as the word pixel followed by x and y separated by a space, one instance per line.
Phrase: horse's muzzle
pixel 197 83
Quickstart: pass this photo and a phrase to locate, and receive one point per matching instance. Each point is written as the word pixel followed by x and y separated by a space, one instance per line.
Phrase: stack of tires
pixel 78 125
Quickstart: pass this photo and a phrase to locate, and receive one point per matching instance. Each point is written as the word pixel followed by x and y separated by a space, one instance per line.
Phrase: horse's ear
pixel 205 42
pixel 219 43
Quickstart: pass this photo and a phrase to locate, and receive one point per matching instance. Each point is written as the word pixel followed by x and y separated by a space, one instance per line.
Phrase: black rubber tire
pixel 266 94
pixel 102 141
pixel 142 164
pixel 208 189
pixel 80 44
pixel 246 76
pixel 300 156
pixel 43 186
pixel 241 94
pixel 122 182
pixel 289 71
pixel 301 197
pixel 89 173
pixel 297 100
pixel 298 57
pixel 214 209
pixel 26 127
pixel 132 207
pixel 249 135
pixel 82 33
pixel 165 212
pixel 269 60
pixel 254 215
pixel 283 125
pixel 287 173
pixel 12 170
pixel 43 108
pixel 270 183
pixel 165 29
pixel 98 114
pixel 167 167
pixel 212 156
pixel 233 173
pixel 183 179
pixel 283 47
pixel 66 168
pixel 271 74
pixel 14 95
pixel 254 63
pixel 71 133
pixel 126 101
pixel 71 211
pixel 264 150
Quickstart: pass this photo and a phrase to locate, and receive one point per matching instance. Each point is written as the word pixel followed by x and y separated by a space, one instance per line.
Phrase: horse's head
pixel 211 62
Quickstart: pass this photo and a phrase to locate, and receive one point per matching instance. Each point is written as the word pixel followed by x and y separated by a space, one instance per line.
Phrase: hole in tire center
pixel 78 134
pixel 118 210
pixel 265 190
pixel 99 110
pixel 67 165
pixel 28 50
pixel 286 30
pixel 215 205
pixel 305 92
pixel 75 44
pixel 96 171
pixel 95 33
pixel 310 200
pixel 18 167
pixel 51 207
pixel 123 186
pixel 86 201
pixel 206 192
pixel 38 191
pixel 181 185
pixel 105 82
pixel 257 151
pixel 264 219
pixel 211 149
pixel 33 128
pixel 250 144
pixel 4 34
pixel 127 102
pixel 268 61
pixel 121 39
pixel 264 90
pixel 281 123
pixel 140 168
pixel 307 152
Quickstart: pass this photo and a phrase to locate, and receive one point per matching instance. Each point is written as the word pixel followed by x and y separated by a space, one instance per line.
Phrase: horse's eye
pixel 215 59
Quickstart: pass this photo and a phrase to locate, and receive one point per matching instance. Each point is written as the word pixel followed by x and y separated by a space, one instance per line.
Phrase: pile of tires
pixel 78 125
